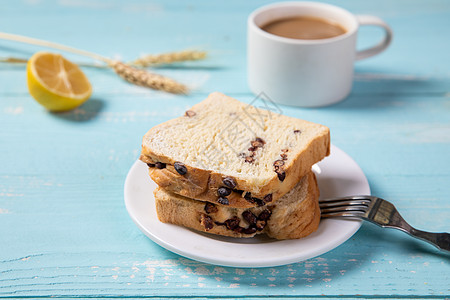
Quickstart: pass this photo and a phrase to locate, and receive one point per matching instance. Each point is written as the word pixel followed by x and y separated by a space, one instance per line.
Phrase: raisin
pixel 160 165
pixel 180 168
pixel 223 191
pixel 190 113
pixel 258 202
pixel 283 156
pixel 232 223
pixel 151 165
pixel 260 140
pixel 249 217
pixel 257 144
pixel 248 197
pixel 223 200
pixel 207 222
pixel 249 159
pixel 297 131
pixel 238 229
pixel 251 200
pixel 229 182
pixel 268 198
pixel 281 174
pixel 264 215
pixel 278 163
pixel 210 208
pixel 252 149
pixel 249 230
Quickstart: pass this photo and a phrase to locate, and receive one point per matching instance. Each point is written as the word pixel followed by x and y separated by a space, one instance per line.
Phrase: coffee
pixel 304 28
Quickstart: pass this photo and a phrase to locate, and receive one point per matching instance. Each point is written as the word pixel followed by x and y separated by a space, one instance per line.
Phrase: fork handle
pixel 385 214
pixel 441 240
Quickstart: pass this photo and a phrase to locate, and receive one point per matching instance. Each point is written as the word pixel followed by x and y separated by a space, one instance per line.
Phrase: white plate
pixel 338 175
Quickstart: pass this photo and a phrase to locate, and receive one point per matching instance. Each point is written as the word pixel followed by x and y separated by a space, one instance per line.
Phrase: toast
pixel 232 154
pixel 295 215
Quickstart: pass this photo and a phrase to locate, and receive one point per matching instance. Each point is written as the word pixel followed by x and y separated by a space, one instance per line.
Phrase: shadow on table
pixel 398 242
pixel 348 259
pixel 382 91
pixel 86 112
pixel 315 271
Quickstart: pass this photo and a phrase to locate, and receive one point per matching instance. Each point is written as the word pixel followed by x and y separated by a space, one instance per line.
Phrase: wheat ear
pixel 168 58
pixel 130 74
pixel 144 78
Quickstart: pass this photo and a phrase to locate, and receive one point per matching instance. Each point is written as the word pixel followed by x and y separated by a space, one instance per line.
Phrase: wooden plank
pixel 64 230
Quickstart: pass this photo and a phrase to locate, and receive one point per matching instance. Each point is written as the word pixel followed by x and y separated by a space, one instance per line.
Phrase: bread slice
pixel 295 215
pixel 230 153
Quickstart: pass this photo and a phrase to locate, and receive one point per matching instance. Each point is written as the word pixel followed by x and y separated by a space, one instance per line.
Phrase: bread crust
pixel 296 215
pixel 203 184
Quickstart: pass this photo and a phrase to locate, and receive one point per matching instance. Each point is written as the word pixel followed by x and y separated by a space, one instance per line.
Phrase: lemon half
pixel 57 83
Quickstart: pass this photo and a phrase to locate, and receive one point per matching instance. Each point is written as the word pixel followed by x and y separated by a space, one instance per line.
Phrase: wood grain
pixel 64 230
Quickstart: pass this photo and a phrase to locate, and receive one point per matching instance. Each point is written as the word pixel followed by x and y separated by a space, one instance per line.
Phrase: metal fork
pixel 380 212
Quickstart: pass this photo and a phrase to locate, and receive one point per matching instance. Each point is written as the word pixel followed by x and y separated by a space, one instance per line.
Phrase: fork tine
pixel 342 202
pixel 352 207
pixel 360 197
pixel 351 214
pixel 362 208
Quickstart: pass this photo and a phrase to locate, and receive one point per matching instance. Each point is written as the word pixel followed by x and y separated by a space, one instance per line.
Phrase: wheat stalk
pixel 130 74
pixel 28 40
pixel 17 60
pixel 168 58
pixel 148 60
pixel 143 78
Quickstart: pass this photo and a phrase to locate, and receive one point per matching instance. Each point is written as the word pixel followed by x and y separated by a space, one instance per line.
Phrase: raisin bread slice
pixel 295 215
pixel 230 153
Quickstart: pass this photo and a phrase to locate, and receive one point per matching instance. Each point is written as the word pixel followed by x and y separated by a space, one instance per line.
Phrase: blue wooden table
pixel 64 229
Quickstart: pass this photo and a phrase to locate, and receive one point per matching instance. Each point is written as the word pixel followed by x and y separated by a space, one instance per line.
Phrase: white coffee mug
pixel 306 73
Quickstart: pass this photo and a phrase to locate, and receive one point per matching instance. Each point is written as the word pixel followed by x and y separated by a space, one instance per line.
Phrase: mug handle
pixel 381 46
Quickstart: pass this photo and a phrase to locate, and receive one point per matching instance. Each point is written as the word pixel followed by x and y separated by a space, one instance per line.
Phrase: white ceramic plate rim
pixel 338 175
